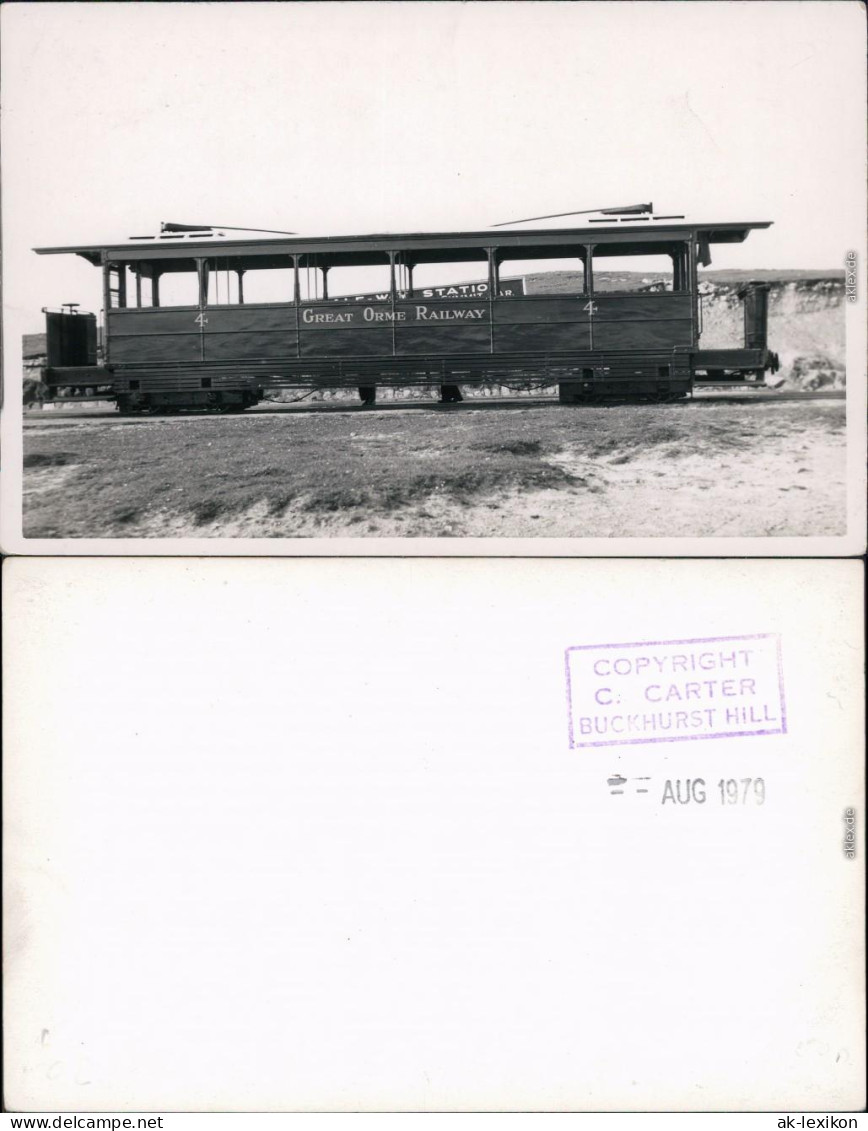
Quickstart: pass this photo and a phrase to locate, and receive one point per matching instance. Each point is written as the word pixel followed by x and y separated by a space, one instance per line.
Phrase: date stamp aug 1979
pixel 675 690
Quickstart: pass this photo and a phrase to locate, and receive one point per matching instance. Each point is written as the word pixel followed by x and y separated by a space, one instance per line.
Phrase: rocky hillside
pixel 806 326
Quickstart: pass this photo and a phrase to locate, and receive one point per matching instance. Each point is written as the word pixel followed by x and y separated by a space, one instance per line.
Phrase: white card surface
pixel 331 119
pixel 321 835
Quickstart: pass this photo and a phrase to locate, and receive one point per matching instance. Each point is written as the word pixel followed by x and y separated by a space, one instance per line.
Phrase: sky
pixel 370 117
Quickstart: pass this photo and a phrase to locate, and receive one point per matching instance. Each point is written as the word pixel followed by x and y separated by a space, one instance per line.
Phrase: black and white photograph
pixel 432 275
pixel 433 483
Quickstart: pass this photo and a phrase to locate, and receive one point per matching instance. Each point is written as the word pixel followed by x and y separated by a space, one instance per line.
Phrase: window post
pixel 392 298
pixel 492 283
pixel 106 301
pixel 296 304
pixel 202 271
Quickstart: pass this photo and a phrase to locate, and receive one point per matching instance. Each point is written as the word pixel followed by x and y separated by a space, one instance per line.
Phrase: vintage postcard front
pixel 598 286
pixel 434 835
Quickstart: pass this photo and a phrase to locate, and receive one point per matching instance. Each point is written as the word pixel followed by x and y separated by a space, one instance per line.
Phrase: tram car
pixel 194 318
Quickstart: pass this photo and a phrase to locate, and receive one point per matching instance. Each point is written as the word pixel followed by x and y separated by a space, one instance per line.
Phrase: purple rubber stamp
pixel 675 690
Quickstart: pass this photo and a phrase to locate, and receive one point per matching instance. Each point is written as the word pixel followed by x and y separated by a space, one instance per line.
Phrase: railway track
pixel 105 411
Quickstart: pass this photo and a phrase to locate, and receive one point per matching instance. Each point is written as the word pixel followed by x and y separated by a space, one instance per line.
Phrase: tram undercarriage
pixel 579 380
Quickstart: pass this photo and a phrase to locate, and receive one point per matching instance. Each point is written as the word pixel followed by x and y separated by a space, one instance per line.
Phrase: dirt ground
pixel 691 469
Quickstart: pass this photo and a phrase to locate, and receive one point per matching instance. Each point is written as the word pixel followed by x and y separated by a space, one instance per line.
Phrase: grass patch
pixel 124 516
pixel 200 471
pixel 207 510
pixel 515 447
pixel 50 459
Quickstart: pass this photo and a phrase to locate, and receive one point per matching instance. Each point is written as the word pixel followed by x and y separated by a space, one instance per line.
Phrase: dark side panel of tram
pixel 212 353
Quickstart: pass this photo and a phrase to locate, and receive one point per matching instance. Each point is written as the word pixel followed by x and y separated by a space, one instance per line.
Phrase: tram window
pixel 368 280
pixel 543 271
pixel 267 284
pixel 145 293
pixel 126 289
pixel 136 288
pixel 180 286
pixel 311 284
pixel 620 270
pixel 464 274
pixel 222 286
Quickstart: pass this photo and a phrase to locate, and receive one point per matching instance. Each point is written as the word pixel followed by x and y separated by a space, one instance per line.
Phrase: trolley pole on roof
pixel 624 210
pixel 168 226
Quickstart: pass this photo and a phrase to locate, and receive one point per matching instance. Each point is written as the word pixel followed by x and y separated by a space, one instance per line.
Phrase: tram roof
pixel 646 230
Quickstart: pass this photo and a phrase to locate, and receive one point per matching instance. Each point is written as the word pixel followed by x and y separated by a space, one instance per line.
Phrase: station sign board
pixel 509 288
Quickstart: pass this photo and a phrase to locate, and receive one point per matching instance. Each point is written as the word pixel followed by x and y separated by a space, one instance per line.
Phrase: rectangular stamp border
pixel 687 737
